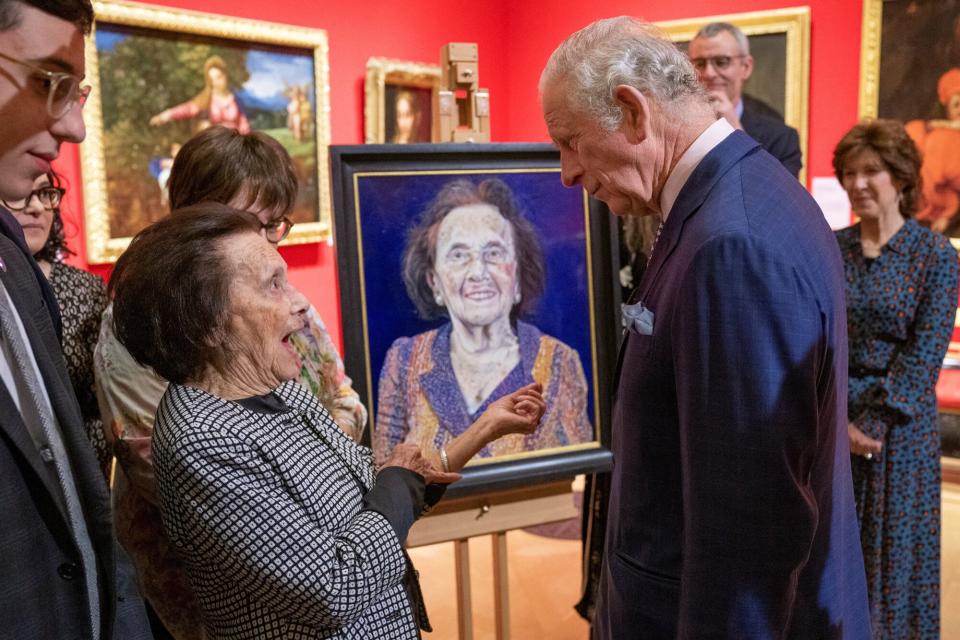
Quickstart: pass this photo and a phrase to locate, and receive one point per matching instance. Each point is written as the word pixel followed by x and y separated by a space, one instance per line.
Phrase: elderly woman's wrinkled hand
pixel 518 412
pixel 409 456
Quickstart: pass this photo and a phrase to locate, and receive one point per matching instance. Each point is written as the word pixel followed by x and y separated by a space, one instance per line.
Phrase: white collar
pixel 704 144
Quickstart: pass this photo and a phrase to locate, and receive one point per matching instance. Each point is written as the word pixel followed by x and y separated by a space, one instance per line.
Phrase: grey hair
pixel 620 51
pixel 716 28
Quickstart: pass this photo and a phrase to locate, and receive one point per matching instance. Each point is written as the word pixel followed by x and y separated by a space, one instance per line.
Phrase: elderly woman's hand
pixel 409 456
pixel 517 412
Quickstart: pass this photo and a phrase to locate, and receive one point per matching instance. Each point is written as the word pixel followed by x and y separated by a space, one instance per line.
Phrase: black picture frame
pixel 359 171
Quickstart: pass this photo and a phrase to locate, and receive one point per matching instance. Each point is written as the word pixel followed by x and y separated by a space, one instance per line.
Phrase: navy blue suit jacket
pixel 731 511
pixel 767 127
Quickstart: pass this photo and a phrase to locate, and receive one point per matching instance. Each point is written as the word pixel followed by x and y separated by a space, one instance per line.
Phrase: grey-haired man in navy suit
pixel 58 559
pixel 731 510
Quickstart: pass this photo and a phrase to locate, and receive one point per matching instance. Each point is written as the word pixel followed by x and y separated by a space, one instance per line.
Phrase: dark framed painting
pixel 160 76
pixel 780 46
pixel 398 101
pixel 466 272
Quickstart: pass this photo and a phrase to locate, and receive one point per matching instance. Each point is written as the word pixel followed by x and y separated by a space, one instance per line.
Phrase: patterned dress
pixel 82 297
pixel 900 309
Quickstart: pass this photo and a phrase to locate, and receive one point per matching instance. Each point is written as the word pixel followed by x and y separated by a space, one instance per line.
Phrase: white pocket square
pixel 637 318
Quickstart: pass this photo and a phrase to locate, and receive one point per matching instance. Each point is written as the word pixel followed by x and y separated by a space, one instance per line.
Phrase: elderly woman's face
pixel 475 275
pixel 265 310
pixel 872 190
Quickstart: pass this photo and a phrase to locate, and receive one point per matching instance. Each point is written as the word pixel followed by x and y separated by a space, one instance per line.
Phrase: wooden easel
pixel 460 519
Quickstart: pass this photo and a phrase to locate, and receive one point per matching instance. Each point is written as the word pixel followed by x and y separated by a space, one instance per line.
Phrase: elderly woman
pixel 252 172
pixel 901 298
pixel 82 297
pixel 475 259
pixel 286 527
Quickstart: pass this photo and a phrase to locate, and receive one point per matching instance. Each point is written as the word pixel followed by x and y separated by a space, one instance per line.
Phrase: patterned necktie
pixel 654 245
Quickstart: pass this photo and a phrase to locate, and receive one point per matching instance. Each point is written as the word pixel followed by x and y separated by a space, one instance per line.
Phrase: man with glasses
pixel 61 574
pixel 720 52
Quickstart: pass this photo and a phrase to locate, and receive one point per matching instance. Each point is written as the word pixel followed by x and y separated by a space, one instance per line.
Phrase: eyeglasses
pixel 63 89
pixel 277 230
pixel 717 62
pixel 48 196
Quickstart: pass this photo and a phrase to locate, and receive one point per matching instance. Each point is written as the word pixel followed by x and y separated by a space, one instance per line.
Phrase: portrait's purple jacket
pixel 419 399
pixel 731 510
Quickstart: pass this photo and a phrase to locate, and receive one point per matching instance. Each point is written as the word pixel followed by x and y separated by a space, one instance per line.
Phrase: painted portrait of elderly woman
pixel 473 266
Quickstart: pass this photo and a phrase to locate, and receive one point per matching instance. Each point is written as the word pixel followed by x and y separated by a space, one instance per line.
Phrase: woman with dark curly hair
pixel 474 259
pixel 901 299
pixel 82 297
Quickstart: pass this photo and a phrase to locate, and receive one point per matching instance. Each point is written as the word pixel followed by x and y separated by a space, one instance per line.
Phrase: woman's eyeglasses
pixel 719 63
pixel 277 230
pixel 63 89
pixel 48 196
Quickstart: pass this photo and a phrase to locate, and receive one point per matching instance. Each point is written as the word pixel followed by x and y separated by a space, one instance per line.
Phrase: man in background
pixel 731 510
pixel 57 554
pixel 720 52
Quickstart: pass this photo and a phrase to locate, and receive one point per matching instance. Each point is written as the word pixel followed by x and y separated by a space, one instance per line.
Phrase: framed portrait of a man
pixel 161 75
pixel 468 271
pixel 398 101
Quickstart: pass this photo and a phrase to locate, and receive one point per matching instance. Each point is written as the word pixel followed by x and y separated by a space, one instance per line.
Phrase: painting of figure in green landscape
pixel 158 88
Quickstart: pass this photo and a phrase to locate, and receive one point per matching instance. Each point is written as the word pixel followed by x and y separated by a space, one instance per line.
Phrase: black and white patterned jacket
pixel 267 512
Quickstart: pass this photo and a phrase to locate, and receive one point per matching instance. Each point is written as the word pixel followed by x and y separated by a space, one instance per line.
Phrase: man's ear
pixel 636 113
pixel 747 67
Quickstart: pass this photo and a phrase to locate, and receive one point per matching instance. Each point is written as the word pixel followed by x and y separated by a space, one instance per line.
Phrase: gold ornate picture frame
pixel 399 98
pixel 910 71
pixel 780 45
pixel 160 75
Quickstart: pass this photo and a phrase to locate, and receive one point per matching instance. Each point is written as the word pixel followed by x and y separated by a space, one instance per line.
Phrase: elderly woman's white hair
pixel 616 51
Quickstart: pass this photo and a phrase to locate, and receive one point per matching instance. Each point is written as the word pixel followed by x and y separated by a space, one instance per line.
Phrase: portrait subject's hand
pixel 724 108
pixel 862 444
pixel 409 456
pixel 517 412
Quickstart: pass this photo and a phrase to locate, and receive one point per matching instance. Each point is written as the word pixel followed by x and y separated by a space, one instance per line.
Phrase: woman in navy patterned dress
pixel 901 299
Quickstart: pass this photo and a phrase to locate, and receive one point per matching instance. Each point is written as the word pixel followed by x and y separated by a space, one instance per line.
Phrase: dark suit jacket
pixel 43 592
pixel 731 509
pixel 14 232
pixel 767 127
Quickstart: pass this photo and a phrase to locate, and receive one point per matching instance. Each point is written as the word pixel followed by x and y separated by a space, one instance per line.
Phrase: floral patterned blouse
pixel 129 395
pixel 82 297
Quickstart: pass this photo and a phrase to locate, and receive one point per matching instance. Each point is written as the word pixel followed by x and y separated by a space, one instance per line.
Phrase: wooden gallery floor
pixel 545 583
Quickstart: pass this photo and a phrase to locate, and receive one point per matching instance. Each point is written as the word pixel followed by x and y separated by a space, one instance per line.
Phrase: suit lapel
pixel 14 282
pixel 716 163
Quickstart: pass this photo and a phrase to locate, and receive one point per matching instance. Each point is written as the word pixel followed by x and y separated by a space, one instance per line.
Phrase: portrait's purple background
pixel 392 204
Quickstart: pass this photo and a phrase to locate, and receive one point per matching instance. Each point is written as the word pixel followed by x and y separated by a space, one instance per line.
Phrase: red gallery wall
pixel 411 30
pixel 834 67
pixel 515 38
